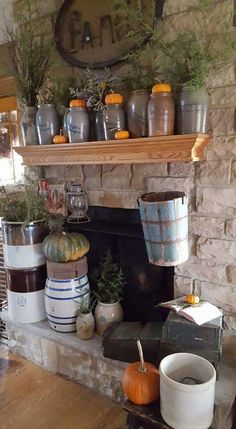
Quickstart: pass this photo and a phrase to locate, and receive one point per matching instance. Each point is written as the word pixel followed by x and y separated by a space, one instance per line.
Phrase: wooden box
pixel 67 270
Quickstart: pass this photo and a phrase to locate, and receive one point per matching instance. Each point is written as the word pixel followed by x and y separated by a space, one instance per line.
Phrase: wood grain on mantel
pixel 176 148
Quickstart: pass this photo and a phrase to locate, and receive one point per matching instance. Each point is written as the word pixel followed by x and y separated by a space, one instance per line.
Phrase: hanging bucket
pixel 164 217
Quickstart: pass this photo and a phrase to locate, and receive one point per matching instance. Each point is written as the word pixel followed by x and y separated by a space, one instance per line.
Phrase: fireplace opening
pixel 146 284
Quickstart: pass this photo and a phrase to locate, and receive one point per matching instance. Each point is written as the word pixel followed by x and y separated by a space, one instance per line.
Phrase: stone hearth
pixel 84 363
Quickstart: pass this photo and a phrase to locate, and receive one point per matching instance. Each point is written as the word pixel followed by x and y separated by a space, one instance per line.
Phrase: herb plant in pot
pixel 108 292
pixel 85 322
pixel 23 229
pixel 30 58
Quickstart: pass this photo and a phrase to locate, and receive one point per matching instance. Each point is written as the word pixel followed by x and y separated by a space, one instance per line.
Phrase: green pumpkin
pixel 65 246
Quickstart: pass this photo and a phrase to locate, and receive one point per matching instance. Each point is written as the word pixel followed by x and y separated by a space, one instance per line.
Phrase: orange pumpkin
pixel 121 134
pixel 114 98
pixel 161 87
pixel 141 381
pixel 78 102
pixel 192 299
pixel 60 139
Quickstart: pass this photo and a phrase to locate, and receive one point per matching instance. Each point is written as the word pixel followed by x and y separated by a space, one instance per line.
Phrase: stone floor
pixel 83 362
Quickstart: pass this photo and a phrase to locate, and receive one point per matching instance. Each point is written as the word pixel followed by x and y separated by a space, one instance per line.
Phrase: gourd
pixel 79 102
pixel 141 381
pixel 60 139
pixel 121 134
pixel 192 299
pixel 114 98
pixel 161 87
pixel 65 246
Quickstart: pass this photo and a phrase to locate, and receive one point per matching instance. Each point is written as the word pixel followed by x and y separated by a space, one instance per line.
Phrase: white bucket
pixel 185 406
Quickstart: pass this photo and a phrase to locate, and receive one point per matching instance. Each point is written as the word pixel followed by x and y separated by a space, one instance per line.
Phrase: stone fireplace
pixel 146 284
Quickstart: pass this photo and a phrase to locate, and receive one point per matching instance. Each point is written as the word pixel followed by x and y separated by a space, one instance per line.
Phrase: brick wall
pixel 211 267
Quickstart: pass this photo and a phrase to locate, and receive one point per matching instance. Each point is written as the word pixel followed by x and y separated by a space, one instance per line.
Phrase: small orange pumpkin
pixel 114 98
pixel 121 134
pixel 60 139
pixel 78 102
pixel 161 87
pixel 192 299
pixel 141 381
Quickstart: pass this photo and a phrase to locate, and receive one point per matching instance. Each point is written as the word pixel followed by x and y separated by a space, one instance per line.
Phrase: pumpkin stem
pixel 142 367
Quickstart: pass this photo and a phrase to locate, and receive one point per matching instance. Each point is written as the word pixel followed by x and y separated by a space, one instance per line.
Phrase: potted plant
pixel 108 292
pixel 85 323
pixel 30 58
pixel 47 118
pixel 23 230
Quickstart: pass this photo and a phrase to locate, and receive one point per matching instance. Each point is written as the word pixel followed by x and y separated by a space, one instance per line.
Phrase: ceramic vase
pixel 28 126
pixel 64 126
pixel 105 314
pixel 99 128
pixel 78 124
pixel 85 326
pixel 48 125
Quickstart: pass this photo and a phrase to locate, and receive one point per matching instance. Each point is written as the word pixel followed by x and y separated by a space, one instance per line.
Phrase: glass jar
pixel 113 120
pixel 161 111
pixel 137 113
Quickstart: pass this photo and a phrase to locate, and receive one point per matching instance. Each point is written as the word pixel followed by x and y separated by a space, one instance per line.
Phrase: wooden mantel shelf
pixel 176 148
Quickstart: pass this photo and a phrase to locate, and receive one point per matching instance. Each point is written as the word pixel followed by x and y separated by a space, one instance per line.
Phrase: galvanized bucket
pixel 164 217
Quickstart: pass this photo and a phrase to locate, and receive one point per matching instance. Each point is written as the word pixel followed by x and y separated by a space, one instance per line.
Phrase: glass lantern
pixel 77 204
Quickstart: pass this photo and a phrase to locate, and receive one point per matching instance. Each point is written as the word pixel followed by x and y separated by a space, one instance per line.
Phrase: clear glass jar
pixel 161 111
pixel 113 120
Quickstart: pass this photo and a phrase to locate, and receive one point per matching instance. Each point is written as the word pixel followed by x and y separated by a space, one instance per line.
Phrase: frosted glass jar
pixel 113 120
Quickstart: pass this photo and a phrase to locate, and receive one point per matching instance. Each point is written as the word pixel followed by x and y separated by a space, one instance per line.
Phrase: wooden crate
pixel 67 270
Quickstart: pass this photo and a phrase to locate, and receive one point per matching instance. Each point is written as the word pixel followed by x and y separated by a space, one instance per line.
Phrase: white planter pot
pixel 105 314
pixel 185 406
pixel 85 326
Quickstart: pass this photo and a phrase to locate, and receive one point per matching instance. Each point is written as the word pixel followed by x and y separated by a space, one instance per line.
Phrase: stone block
pixel 171 7
pixel 226 75
pixel 141 172
pixel 202 270
pixel 95 197
pixel 206 226
pixel 231 274
pixel 223 97
pixel 150 170
pixel 216 201
pixel 230 228
pixel 74 173
pixel 46 7
pixel 125 199
pixel 56 172
pixel 229 345
pixel 93 176
pixel 220 251
pixel 233 172
pixel 221 148
pixel 213 173
pixel 222 122
pixel 181 169
pixel 182 285
pixel 224 296
pixel 158 184
pixel 230 323
pixel 50 354
pixel 116 176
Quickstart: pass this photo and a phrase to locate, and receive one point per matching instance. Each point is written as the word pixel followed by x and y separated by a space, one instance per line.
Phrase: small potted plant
pixel 85 323
pixel 108 292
